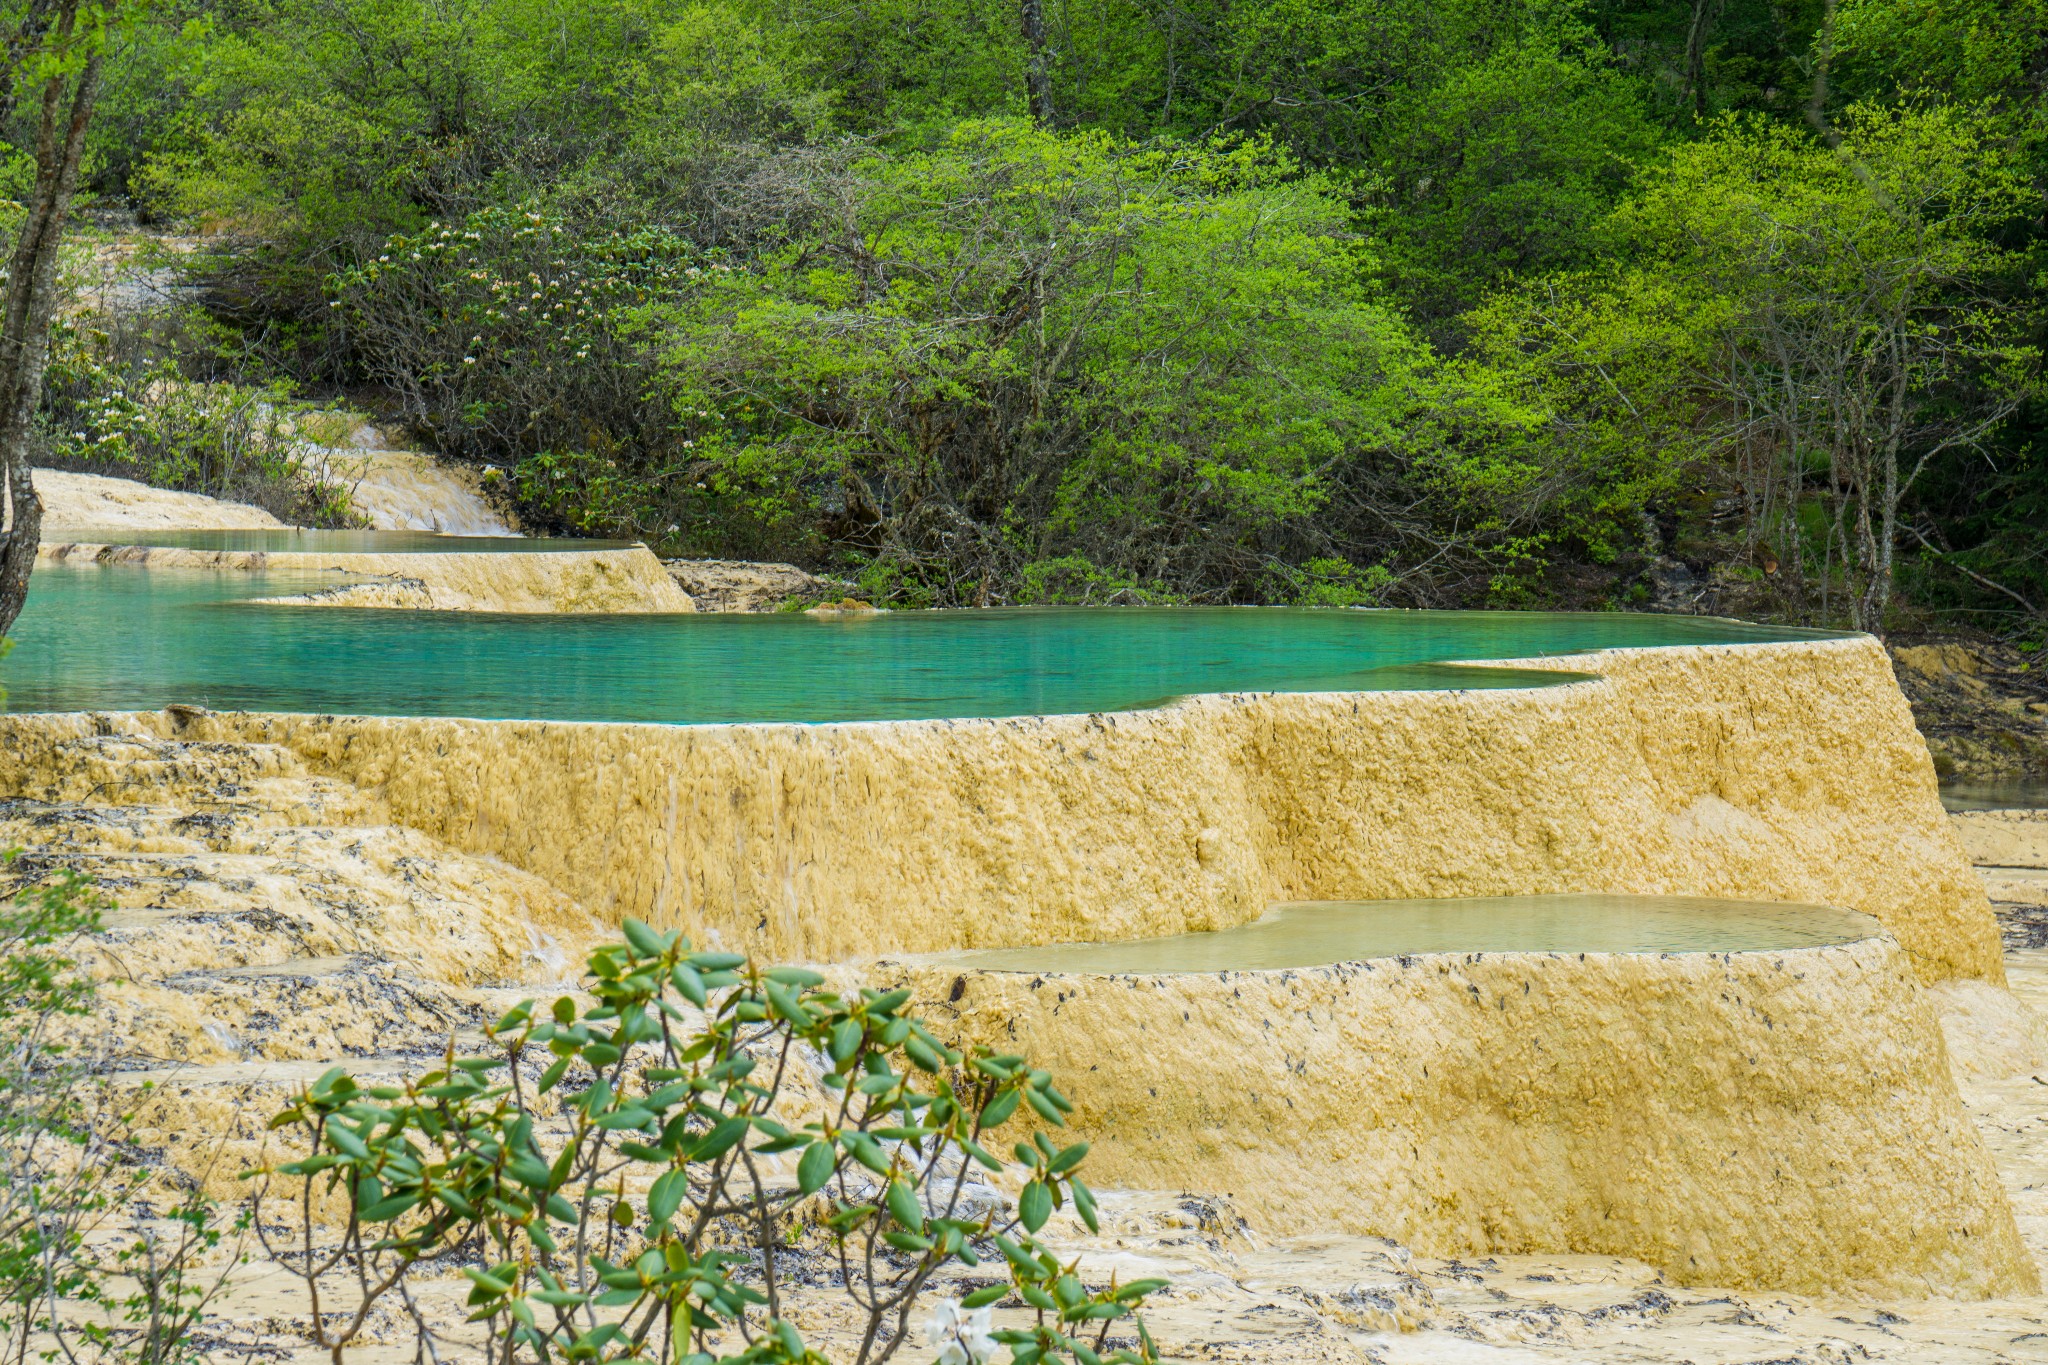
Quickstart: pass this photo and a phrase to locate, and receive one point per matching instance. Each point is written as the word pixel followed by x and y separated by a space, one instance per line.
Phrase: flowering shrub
pixel 507 333
pixel 110 407
pixel 647 1178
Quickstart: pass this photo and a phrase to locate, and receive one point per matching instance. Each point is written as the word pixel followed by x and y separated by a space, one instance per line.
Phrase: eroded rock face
pixel 1982 705
pixel 1792 1111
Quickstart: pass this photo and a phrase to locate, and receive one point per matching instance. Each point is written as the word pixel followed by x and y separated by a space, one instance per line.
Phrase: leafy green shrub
pixel 618 1179
pixel 1071 579
pixel 1507 167
pixel 1328 581
pixel 945 363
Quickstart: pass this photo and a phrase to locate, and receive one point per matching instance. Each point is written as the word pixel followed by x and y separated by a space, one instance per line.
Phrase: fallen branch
pixel 1970 573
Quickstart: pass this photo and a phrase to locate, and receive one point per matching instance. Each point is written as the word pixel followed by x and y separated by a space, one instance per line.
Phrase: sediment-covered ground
pixel 271 921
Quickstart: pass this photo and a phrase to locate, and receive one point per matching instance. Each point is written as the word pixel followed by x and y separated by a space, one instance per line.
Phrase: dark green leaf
pixel 1034 1205
pixel 645 941
pixel 904 1206
pixel 814 1168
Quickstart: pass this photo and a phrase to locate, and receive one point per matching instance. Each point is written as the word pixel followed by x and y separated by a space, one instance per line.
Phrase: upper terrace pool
pixel 298 540
pixel 100 637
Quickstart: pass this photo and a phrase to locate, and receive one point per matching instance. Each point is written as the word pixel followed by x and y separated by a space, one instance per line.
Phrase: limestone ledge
pixel 628 580
pixel 1783 1120
pixel 73 499
pixel 1769 771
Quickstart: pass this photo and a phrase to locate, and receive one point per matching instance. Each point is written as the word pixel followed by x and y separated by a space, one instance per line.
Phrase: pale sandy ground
pixel 1239 1298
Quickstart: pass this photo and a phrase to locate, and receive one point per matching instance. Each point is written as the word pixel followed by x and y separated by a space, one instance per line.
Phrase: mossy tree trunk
pixel 63 55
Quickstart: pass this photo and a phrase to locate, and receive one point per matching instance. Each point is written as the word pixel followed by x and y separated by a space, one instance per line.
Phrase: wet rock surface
pixel 394 489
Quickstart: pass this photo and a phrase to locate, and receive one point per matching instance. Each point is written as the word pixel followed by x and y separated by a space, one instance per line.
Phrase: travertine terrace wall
pixel 1779 771
pixel 1782 1120
pixel 628 580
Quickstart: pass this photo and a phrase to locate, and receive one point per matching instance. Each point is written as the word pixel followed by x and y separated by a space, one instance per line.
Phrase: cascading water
pixel 403 490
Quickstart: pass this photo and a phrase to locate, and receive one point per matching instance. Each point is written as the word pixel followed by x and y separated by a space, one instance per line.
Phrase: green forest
pixel 1727 305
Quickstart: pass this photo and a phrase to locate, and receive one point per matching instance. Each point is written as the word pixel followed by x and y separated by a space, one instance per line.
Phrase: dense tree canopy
pixel 1458 302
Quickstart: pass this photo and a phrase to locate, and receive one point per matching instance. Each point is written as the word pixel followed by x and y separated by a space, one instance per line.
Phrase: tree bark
pixel 1823 59
pixel 1037 69
pixel 31 302
pixel 1704 12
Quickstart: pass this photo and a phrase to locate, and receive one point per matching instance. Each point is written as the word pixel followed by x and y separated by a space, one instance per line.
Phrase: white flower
pixel 960 1336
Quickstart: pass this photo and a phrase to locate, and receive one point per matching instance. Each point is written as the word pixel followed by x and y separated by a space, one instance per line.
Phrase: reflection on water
pixel 1309 933
pixel 117 637
pixel 2017 793
pixel 288 539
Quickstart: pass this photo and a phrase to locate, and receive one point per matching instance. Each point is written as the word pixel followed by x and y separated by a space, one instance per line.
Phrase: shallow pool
pixel 1311 933
pixel 121 637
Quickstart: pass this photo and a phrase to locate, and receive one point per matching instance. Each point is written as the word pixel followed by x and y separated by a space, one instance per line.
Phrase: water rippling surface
pixel 116 637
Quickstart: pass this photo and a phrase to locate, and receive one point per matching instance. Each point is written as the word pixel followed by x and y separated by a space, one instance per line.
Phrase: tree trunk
pixel 1037 69
pixel 1823 59
pixel 31 302
pixel 1704 12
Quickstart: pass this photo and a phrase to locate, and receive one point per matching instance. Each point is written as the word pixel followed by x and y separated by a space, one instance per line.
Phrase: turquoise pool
pixel 125 637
